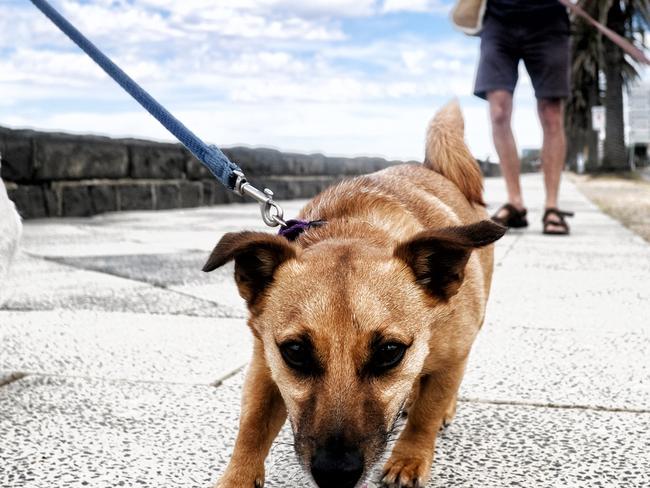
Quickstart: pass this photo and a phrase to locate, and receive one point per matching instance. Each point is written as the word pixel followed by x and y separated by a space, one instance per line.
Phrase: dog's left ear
pixel 438 257
pixel 257 256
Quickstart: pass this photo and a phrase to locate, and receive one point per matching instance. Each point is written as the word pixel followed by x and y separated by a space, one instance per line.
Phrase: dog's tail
pixel 447 153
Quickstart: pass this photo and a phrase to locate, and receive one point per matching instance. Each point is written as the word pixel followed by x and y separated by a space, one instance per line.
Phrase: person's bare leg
pixel 504 141
pixel 551 116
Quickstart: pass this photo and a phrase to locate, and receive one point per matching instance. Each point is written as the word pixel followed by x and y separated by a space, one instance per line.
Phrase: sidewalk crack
pixel 558 406
pixel 13 377
pixel 499 263
pixel 227 376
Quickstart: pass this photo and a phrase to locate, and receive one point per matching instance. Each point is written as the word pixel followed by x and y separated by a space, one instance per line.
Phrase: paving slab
pixel 521 299
pixel 530 256
pixel 567 323
pixel 74 237
pixel 562 313
pixel 586 287
pixel 76 432
pixel 67 432
pixel 222 292
pixel 590 368
pixel 123 345
pixel 145 232
pixel 156 269
pixel 179 272
pixel 594 282
pixel 38 284
pixel 522 446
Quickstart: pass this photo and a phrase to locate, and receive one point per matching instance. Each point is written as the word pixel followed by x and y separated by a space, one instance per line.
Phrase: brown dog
pixel 360 318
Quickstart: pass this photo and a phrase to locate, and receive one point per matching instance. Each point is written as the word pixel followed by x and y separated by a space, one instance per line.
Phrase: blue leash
pixel 227 172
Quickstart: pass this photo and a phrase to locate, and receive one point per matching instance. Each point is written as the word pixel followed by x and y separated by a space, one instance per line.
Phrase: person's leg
pixel 551 116
pixel 547 50
pixel 500 102
pixel 496 80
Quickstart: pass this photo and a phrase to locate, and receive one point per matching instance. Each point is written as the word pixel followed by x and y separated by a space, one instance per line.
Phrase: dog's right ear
pixel 257 256
pixel 438 257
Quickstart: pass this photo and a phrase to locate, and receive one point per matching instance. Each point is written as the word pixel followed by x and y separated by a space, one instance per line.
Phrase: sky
pixel 341 77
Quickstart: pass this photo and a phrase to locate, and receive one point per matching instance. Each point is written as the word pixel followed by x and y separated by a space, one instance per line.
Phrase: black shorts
pixel 544 46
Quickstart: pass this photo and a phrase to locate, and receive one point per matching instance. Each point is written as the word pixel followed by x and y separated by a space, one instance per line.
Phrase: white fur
pixel 10 232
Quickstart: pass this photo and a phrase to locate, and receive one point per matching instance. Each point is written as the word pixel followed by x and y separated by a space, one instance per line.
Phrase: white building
pixel 638 113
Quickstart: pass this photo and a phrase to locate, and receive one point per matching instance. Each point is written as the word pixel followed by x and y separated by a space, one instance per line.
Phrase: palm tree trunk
pixel 592 164
pixel 614 157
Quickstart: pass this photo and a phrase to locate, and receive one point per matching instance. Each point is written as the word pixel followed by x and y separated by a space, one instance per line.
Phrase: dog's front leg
pixel 262 414
pixel 410 463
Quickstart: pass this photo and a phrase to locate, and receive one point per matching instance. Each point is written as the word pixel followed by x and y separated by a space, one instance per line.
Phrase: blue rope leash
pixel 211 156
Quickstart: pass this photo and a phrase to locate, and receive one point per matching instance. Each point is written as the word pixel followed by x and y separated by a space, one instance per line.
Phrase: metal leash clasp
pixel 272 212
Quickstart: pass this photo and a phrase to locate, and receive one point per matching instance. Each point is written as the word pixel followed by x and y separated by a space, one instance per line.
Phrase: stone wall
pixel 63 175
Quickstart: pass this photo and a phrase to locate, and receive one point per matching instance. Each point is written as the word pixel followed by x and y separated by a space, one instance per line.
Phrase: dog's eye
pixel 300 357
pixel 386 357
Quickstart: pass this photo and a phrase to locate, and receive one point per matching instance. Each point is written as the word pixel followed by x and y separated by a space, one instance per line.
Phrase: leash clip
pixel 272 213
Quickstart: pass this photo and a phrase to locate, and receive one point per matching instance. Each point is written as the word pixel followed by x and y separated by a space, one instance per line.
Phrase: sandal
pixel 513 218
pixel 557 222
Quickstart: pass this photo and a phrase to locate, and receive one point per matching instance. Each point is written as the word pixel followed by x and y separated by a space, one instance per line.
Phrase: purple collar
pixel 295 228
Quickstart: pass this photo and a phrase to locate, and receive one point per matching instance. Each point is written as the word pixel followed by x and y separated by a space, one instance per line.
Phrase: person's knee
pixel 551 116
pixel 500 112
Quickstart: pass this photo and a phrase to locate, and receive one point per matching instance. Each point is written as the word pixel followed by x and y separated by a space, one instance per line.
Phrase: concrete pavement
pixel 121 363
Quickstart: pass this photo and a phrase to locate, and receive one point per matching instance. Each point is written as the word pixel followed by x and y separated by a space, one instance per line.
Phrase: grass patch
pixel 624 196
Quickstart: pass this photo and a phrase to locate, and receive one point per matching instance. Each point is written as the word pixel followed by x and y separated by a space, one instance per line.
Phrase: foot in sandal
pixel 554 222
pixel 510 216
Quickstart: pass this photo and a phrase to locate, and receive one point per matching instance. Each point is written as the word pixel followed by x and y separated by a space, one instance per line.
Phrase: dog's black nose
pixel 335 465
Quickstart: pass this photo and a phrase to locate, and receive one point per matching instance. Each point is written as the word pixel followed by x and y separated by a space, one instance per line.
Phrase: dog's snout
pixel 337 465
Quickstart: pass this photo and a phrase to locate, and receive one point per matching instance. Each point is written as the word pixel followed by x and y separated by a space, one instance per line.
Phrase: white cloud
pixel 47 67
pixel 345 88
pixel 121 24
pixel 428 6
pixel 22 25
pixel 419 61
pixel 334 128
pixel 414 60
pixel 265 62
pixel 266 72
pixel 337 128
pixel 103 19
pixel 337 8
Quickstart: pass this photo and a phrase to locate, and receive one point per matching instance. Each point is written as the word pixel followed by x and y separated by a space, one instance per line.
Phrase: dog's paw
pixel 405 472
pixel 241 478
